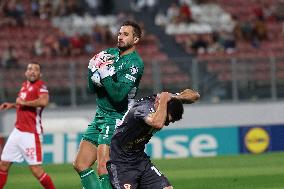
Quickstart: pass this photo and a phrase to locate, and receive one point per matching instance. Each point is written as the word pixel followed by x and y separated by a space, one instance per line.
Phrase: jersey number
pixel 30 152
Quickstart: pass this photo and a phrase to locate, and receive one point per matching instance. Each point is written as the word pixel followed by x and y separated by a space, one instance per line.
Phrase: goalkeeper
pixel 114 75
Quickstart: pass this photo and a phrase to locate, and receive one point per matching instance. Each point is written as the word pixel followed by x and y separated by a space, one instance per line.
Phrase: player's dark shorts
pixel 142 175
pixel 101 130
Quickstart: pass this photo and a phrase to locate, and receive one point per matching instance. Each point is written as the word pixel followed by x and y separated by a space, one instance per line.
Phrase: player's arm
pixel 7 106
pixel 157 119
pixel 42 101
pixel 187 96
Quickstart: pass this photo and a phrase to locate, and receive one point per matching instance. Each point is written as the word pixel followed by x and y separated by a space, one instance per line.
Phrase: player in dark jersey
pixel 129 166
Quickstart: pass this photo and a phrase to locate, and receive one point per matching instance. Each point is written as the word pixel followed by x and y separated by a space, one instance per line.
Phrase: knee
pixel 78 166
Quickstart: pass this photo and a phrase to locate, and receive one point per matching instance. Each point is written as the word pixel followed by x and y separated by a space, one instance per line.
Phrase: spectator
pixel 46 10
pixel 73 7
pixel 9 59
pixel 185 13
pixel 199 45
pixel 60 9
pixel 38 48
pixel 88 44
pixel 64 44
pixel 35 6
pixel 51 45
pixel 259 30
pixel 173 13
pixel 14 10
pixel 76 44
pixel 228 42
pixel 246 28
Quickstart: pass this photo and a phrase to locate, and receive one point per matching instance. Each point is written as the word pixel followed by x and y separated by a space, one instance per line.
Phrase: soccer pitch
pixel 264 171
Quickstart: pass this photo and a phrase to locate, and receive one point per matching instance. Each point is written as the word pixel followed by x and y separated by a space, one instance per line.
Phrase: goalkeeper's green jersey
pixel 118 91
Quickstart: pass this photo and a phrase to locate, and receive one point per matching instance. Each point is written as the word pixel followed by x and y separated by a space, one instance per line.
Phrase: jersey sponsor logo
pixel 121 66
pixel 130 77
pixel 127 186
pixel 23 95
pixel 133 70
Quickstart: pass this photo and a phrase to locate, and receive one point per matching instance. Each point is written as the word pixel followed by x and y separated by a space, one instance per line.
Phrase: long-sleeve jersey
pixel 118 91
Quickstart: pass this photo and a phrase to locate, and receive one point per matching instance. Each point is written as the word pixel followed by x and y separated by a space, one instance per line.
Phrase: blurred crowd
pixel 53 41
pixel 251 28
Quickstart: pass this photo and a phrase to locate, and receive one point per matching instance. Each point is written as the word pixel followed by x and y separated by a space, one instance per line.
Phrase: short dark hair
pixel 175 109
pixel 136 28
pixel 34 62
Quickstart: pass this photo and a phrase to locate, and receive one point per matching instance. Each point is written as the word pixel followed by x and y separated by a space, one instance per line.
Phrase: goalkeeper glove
pixel 96 78
pixel 105 71
pixel 99 60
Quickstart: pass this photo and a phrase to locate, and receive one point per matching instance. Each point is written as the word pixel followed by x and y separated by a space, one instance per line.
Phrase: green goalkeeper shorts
pixel 100 131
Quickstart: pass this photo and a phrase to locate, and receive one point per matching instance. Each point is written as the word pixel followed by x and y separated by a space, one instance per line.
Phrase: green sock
pixel 105 182
pixel 89 179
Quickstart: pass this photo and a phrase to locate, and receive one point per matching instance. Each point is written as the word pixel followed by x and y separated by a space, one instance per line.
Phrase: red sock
pixel 3 178
pixel 46 181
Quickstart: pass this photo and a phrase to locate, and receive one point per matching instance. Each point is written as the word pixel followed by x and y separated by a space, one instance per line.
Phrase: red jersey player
pixel 24 143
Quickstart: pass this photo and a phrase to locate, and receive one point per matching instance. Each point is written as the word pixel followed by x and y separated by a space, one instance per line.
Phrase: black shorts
pixel 142 175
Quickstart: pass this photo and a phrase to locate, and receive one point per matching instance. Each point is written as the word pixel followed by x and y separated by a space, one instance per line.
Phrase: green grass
pixel 228 172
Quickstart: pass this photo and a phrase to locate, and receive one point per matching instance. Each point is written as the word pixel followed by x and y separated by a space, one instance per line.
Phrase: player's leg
pixel 86 157
pixel 11 153
pixel 44 179
pixel 107 126
pixel 122 176
pixel 103 157
pixel 4 168
pixel 30 146
pixel 152 178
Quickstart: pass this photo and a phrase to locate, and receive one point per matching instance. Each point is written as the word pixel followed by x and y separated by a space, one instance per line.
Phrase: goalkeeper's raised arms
pixel 187 96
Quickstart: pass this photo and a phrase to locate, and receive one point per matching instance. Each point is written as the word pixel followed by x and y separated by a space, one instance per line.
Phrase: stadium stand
pixel 60 41
pixel 219 32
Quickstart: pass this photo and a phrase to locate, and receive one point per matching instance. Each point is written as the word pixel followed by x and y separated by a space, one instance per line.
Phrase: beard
pixel 124 47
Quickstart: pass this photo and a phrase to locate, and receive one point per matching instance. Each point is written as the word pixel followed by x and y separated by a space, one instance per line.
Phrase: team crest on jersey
pixel 127 186
pixel 133 70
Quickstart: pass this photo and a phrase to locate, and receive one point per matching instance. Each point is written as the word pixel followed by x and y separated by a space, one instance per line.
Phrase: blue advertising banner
pixel 175 143
pixel 277 139
pixel 60 147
